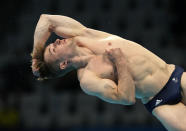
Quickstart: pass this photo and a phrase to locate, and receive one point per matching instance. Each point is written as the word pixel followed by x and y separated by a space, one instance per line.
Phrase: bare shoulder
pixel 80 73
pixel 84 74
pixel 88 80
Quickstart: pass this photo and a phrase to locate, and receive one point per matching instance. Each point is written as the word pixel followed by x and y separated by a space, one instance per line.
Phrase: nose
pixel 63 41
pixel 57 42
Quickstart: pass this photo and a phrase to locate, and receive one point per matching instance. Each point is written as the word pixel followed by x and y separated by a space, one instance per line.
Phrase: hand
pixel 35 68
pixel 115 54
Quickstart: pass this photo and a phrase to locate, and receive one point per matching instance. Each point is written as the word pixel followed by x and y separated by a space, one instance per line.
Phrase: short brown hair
pixel 45 71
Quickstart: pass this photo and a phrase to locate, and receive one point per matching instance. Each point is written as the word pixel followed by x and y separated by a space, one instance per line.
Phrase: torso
pixel 149 72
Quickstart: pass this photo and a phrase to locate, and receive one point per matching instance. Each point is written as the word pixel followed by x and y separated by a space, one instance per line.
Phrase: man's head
pixel 54 60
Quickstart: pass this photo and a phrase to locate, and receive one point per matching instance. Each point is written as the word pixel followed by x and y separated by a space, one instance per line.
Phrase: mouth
pixel 63 41
pixel 59 42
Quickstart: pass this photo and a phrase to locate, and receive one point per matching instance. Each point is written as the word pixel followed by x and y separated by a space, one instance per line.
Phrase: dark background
pixel 26 104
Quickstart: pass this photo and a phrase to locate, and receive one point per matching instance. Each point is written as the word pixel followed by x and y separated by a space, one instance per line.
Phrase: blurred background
pixel 59 104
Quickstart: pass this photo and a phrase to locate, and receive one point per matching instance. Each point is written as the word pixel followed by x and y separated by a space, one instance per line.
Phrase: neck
pixel 82 58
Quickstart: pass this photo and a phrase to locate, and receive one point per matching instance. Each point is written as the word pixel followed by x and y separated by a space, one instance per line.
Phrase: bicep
pixel 65 26
pixel 105 89
pixel 97 86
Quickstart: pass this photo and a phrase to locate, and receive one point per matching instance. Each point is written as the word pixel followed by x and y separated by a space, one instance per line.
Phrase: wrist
pixel 37 52
pixel 120 61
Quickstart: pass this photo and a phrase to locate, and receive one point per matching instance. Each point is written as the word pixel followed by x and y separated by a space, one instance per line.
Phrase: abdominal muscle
pixel 150 75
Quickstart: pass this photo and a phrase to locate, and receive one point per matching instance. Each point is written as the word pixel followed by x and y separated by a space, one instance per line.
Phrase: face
pixel 60 51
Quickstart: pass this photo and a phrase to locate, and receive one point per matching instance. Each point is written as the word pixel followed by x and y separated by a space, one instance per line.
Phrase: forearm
pixel 41 35
pixel 125 88
pixel 62 26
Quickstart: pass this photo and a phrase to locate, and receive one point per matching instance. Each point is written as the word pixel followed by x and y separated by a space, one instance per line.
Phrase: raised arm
pixel 106 89
pixel 61 25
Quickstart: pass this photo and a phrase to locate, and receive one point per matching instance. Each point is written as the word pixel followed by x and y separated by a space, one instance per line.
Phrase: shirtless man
pixel 112 68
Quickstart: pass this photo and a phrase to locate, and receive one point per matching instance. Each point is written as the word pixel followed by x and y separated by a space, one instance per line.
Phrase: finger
pixel 109 54
pixel 36 73
pixel 109 48
pixel 118 49
pixel 106 50
pixel 34 61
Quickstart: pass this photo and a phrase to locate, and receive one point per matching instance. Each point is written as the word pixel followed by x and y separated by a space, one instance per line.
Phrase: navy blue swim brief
pixel 170 94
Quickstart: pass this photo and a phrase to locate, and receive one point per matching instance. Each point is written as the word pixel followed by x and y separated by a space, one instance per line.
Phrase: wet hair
pixel 46 70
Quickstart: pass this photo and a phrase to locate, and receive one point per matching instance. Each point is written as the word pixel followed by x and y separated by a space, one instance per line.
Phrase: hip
pixel 148 87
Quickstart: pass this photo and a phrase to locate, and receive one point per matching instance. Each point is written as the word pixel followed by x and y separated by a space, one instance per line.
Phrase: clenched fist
pixel 115 54
pixel 35 68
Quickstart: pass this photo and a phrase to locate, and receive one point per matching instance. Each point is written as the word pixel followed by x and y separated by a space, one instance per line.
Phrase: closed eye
pixel 54 50
pixel 51 50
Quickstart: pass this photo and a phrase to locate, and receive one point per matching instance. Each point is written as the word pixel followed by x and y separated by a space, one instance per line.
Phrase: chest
pixel 102 67
pixel 98 45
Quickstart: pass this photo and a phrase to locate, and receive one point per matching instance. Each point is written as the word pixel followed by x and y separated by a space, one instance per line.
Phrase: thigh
pixel 183 86
pixel 173 117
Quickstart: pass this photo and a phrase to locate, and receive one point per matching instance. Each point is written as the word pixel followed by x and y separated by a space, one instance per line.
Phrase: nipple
pixel 109 44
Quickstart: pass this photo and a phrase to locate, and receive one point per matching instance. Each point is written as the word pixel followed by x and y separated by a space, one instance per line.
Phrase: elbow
pixel 44 15
pixel 128 100
pixel 125 98
pixel 131 101
pixel 47 19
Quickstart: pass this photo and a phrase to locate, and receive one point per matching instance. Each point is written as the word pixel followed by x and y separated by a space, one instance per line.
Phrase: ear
pixel 63 64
